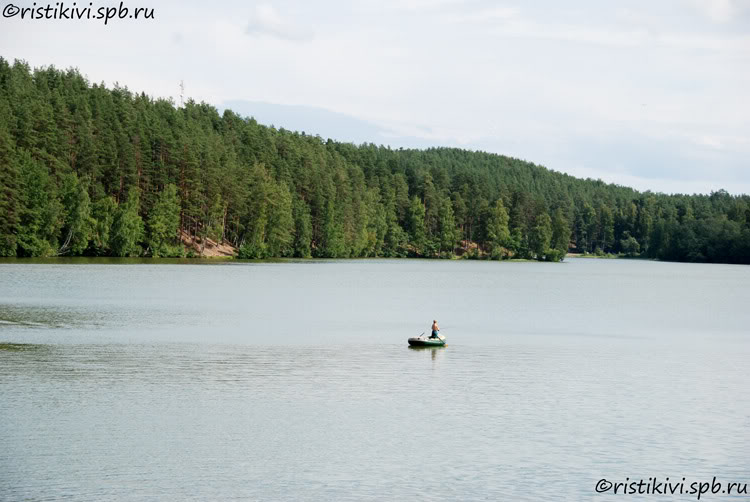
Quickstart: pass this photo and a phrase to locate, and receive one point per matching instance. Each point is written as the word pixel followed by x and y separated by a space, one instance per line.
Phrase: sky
pixel 649 94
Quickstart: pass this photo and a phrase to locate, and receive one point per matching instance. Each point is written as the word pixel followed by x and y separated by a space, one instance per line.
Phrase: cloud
pixel 710 141
pixel 666 185
pixel 489 15
pixel 719 11
pixel 266 21
pixel 618 36
pixel 433 136
pixel 329 124
pixel 419 5
pixel 725 142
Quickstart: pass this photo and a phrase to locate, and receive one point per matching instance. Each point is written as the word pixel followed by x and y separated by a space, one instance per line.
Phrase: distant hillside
pixel 96 171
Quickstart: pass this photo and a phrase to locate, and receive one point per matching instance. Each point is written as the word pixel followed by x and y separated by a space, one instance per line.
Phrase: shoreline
pixel 224 260
pixel 135 260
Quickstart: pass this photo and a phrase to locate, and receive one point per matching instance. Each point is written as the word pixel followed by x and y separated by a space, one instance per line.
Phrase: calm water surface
pixel 293 381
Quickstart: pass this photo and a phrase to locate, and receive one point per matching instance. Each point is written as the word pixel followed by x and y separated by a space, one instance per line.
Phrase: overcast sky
pixel 650 94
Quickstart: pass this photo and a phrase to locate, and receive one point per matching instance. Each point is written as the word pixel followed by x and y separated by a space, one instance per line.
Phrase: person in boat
pixel 435 330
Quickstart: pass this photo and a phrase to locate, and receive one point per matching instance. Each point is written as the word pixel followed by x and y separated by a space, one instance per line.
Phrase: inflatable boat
pixel 426 341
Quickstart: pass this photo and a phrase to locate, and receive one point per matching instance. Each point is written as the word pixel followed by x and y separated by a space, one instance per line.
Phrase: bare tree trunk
pixel 224 224
pixel 64 247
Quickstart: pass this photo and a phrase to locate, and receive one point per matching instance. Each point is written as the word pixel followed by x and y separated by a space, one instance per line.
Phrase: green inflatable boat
pixel 426 341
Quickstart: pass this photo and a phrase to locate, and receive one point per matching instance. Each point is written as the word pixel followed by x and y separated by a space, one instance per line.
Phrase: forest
pixel 96 171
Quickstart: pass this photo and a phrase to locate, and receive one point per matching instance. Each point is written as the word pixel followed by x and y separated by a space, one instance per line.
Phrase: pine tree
pixel 607 225
pixel 416 222
pixel 127 228
pixel 541 236
pixel 302 228
pixel 377 223
pixel 447 233
pixel 631 247
pixel 395 241
pixel 253 243
pixel 10 187
pixel 164 223
pixel 78 224
pixel 213 227
pixel 591 227
pixel 41 215
pixel 334 243
pixel 498 233
pixel 61 136
pixel 560 236
pixel 103 211
pixel 280 222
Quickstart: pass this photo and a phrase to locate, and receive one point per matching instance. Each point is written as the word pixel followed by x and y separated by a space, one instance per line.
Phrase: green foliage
pixel 194 175
pixel 213 228
pixel 164 223
pixel 78 224
pixel 11 203
pixel 396 238
pixel 560 236
pixel 280 222
pixel 10 206
pixel 302 228
pixel 607 227
pixel 447 233
pixel 273 230
pixel 498 233
pixel 103 211
pixel 630 245
pixel 541 237
pixel 415 224
pixel 253 244
pixel 127 228
pixel 40 221
pixel 334 241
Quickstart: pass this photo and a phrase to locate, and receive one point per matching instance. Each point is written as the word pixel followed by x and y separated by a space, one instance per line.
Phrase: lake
pixel 161 380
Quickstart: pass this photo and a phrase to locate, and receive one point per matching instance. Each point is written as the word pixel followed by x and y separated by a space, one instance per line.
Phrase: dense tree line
pixel 87 170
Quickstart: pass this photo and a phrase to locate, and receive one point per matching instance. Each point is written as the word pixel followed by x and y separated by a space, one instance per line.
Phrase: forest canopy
pixel 88 170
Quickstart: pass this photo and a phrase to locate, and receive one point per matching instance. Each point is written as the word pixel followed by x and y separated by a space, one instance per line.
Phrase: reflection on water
pixel 294 381
pixel 32 316
pixel 294 303
pixel 18 347
pixel 433 351
pixel 196 421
